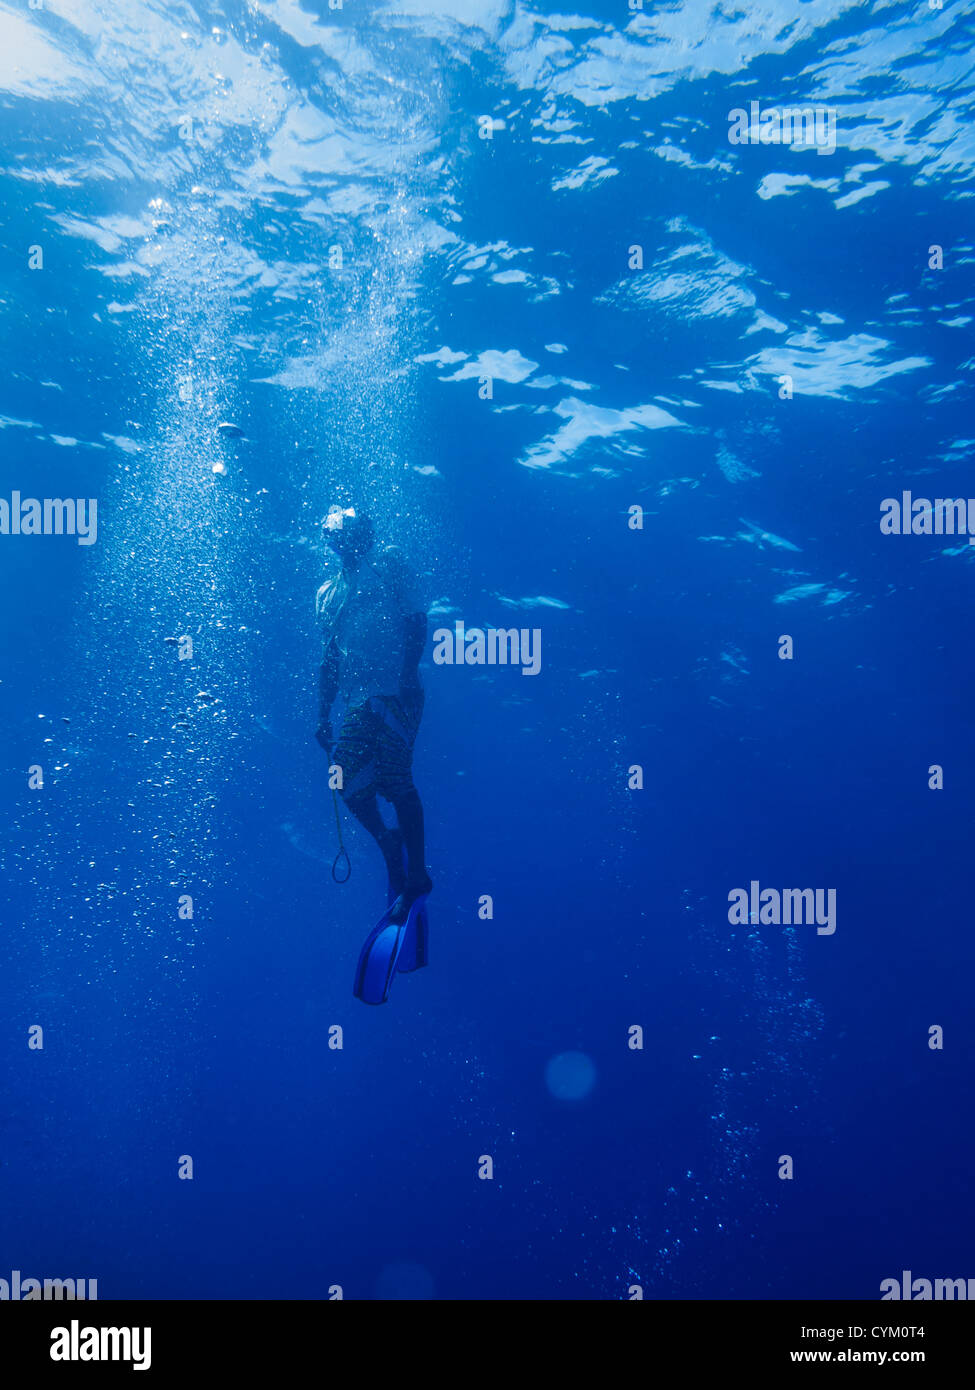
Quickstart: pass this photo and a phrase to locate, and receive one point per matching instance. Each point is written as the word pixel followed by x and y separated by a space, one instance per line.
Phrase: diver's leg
pixel 365 808
pixel 409 815
pixel 355 753
pixel 395 783
pixel 388 838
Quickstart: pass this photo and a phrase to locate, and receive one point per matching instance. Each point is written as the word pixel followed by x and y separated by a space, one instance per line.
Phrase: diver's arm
pixel 328 687
pixel 414 640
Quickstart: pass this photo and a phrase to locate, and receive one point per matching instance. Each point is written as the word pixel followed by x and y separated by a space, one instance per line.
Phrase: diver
pixel 374 630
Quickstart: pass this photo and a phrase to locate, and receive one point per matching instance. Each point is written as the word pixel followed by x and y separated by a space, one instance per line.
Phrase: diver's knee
pixel 404 796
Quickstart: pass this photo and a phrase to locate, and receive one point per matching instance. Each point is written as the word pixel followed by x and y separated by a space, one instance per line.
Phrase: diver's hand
pixel 323 736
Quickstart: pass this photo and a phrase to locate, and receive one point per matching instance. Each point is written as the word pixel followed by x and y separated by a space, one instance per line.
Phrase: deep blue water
pixel 186 171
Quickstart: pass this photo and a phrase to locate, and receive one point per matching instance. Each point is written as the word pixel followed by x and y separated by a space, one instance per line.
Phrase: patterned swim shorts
pixel 375 746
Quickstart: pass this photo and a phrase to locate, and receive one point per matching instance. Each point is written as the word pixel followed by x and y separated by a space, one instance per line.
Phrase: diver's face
pixel 349 543
pixel 333 531
pixel 340 544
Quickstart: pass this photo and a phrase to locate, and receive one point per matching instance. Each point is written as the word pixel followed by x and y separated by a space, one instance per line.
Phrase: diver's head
pixel 349 533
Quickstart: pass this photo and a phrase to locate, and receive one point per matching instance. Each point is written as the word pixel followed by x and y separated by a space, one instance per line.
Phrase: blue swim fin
pixel 390 947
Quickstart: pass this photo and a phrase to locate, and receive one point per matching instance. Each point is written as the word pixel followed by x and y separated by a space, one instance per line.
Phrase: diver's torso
pixel 363 611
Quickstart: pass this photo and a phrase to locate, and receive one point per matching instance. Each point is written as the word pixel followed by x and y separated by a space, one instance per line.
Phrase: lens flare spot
pixel 570 1075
